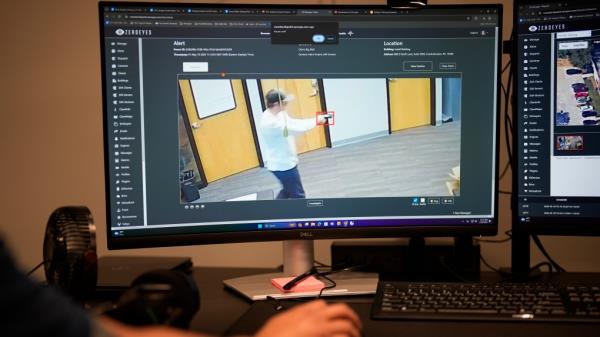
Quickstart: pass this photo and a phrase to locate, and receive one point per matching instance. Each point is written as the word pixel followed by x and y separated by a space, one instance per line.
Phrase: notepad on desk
pixel 311 283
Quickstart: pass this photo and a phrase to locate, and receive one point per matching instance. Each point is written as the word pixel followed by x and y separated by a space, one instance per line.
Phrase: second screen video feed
pixel 268 139
pixel 578 83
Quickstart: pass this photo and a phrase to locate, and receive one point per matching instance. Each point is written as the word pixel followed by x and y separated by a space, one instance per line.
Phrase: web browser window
pixel 227 119
pixel 558 62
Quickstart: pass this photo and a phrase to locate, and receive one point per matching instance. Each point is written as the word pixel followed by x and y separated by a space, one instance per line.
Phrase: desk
pixel 220 308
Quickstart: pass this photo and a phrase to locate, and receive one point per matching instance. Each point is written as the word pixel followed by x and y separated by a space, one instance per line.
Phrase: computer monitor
pixel 557 139
pixel 232 123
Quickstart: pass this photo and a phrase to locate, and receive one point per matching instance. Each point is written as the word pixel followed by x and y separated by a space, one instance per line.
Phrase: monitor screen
pixel 236 123
pixel 557 140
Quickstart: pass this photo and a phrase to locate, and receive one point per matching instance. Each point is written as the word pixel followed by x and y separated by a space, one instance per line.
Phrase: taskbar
pixel 296 225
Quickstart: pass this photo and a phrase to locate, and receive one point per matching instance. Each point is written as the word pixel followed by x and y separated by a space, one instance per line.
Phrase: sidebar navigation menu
pixel 124 124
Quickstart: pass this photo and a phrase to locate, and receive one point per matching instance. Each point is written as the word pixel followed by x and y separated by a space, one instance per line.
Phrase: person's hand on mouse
pixel 313 319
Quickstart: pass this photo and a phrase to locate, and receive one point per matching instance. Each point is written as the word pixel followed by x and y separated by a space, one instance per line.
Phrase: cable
pixel 442 261
pixel 498 271
pixel 37 267
pixel 331 286
pixel 508 233
pixel 509 276
pixel 508 127
pixel 507 122
pixel 506 66
pixel 321 264
pixel 541 264
pixel 278 306
pixel 540 246
pixel 314 271
pixel 504 171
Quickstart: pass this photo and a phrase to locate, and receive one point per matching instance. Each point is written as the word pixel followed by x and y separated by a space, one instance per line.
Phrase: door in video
pixel 220 126
pixel 410 102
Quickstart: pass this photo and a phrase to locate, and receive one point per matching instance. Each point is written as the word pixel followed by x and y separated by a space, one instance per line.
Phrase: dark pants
pixel 292 185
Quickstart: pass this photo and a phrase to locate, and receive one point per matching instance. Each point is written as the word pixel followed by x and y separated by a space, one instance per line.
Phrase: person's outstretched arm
pixel 298 126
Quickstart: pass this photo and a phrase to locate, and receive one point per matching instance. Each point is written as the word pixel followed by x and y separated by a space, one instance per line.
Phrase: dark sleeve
pixel 27 309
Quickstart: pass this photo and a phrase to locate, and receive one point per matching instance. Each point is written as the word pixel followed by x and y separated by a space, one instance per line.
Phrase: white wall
pixel 439 100
pixel 361 109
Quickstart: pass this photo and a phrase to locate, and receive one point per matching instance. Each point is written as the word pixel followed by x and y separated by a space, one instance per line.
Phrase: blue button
pixel 318 38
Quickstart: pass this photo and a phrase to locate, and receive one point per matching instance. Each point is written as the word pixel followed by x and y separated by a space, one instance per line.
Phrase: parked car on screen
pixel 590 113
pixel 590 122
pixel 589 69
pixel 581 94
pixel 578 87
pixel 573 71
pixel 586 108
pixel 583 100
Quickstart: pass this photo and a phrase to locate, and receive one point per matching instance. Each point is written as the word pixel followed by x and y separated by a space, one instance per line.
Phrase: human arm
pixel 296 126
pixel 29 309
pixel 313 319
pixel 107 327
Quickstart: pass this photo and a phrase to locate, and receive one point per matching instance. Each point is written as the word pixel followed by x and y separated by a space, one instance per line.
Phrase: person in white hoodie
pixel 279 142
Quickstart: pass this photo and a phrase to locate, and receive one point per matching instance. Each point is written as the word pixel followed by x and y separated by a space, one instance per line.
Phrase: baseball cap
pixel 276 96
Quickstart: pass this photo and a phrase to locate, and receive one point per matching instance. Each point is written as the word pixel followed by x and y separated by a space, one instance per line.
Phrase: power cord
pixel 37 267
pixel 331 285
pixel 509 276
pixel 449 269
pixel 508 127
pixel 496 270
pixel 508 234
pixel 314 271
pixel 551 261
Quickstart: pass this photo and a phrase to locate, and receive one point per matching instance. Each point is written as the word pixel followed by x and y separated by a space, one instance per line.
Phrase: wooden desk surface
pixel 220 308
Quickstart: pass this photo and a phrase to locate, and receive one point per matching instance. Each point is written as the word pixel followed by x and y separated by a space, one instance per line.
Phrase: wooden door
pixel 410 102
pixel 224 140
pixel 306 105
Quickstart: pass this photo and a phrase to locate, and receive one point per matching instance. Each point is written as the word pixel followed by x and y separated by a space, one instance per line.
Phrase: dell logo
pixel 306 234
pixel 533 28
pixel 119 32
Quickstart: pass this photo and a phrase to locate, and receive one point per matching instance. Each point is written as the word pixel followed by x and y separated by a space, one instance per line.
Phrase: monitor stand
pixel 298 257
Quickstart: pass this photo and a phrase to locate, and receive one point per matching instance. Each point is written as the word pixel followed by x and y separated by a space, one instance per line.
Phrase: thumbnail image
pixel 578 83
pixel 267 139
pixel 569 143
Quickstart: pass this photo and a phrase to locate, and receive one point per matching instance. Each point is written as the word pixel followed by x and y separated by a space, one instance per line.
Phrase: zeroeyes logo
pixel 545 28
pixel 134 32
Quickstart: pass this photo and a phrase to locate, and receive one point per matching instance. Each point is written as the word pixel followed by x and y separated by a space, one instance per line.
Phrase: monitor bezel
pixel 164 240
pixel 546 226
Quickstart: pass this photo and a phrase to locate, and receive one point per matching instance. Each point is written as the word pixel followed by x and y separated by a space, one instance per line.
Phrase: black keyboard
pixel 481 301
